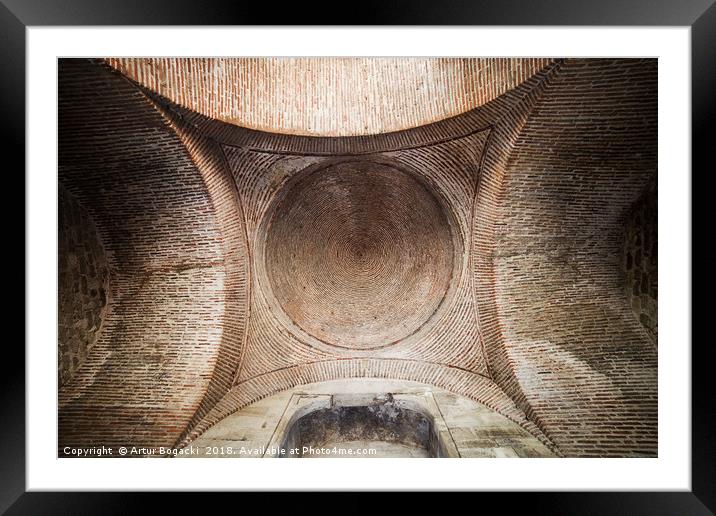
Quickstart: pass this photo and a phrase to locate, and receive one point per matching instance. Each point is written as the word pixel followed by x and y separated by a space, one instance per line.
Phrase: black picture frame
pixel 700 15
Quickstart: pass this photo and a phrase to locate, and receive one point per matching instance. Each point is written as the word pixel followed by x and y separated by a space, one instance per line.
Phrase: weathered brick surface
pixel 210 161
pixel 178 304
pixel 533 187
pixel 641 259
pixel 330 96
pixel 83 285
pixel 573 354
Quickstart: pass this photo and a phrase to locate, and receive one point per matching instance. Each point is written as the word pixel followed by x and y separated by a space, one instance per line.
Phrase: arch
pixel 463 383
pixel 326 418
pixel 552 303
pixel 175 272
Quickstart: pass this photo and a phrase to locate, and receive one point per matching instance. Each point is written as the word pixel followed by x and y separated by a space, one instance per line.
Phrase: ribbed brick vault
pixel 481 253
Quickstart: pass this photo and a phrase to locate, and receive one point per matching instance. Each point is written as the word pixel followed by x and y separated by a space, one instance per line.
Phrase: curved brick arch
pixel 463 383
pixel 486 218
pixel 559 334
pixel 179 270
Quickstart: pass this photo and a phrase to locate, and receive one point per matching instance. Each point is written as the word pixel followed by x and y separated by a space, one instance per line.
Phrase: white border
pixel 672 468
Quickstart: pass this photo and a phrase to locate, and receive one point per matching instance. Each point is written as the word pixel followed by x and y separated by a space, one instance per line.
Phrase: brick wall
pixel 640 259
pixel 572 346
pixel 83 285
pixel 177 306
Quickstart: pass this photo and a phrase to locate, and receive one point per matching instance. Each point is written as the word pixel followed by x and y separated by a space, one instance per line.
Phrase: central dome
pixel 359 254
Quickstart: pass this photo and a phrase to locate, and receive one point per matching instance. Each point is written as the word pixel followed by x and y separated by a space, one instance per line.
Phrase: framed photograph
pixel 460 234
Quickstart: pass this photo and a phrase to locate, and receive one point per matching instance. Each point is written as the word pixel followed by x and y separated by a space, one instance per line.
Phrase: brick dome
pixel 351 242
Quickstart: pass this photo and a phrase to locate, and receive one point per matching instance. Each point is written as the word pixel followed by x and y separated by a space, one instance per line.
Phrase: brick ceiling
pixel 452 222
pixel 329 96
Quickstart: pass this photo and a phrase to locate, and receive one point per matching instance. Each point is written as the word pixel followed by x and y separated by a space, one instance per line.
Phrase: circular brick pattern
pixel 359 254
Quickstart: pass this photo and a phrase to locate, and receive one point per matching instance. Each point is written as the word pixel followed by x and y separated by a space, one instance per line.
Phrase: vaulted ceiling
pixel 329 96
pixel 452 222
